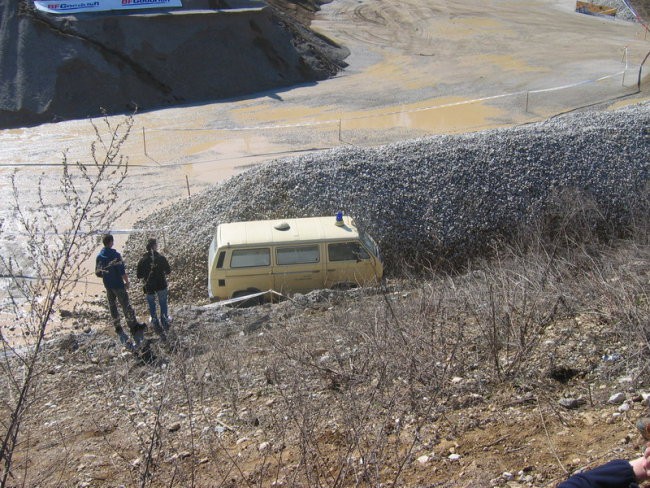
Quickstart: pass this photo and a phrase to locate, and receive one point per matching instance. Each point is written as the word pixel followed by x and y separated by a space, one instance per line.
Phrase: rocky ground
pixel 478 379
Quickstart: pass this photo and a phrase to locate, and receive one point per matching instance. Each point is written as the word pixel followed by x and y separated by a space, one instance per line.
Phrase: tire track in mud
pixel 385 24
pixel 362 13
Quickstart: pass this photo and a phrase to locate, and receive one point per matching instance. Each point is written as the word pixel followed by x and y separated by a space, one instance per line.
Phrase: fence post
pixel 144 141
pixel 527 92
pixel 187 183
pixel 626 66
pixel 638 83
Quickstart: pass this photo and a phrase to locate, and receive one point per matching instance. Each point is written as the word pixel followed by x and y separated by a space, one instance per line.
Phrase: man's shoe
pixel 137 332
pixel 137 327
pixel 166 322
pixel 124 340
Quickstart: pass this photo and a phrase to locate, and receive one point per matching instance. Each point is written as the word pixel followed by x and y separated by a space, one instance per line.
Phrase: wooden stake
pixel 144 142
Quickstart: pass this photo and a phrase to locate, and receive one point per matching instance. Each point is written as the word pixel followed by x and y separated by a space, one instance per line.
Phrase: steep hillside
pixel 62 67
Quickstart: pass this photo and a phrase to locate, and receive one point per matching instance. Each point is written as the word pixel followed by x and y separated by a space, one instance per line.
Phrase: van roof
pixel 300 230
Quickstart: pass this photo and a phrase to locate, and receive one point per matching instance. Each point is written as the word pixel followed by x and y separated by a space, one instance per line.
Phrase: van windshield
pixel 370 243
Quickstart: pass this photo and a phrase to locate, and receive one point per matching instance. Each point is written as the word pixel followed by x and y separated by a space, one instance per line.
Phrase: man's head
pixel 152 245
pixel 107 240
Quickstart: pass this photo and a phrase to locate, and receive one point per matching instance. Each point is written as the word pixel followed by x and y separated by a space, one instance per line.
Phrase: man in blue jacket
pixel 614 474
pixel 110 267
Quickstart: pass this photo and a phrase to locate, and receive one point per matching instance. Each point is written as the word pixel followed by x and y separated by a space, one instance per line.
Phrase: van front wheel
pixel 251 302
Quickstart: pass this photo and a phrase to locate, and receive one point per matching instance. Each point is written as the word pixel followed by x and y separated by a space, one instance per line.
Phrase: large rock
pixel 55 67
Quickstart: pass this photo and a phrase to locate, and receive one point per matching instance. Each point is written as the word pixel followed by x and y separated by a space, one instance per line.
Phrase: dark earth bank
pixel 58 67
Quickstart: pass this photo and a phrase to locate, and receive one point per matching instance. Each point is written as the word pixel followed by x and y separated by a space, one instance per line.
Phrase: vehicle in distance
pixel 290 255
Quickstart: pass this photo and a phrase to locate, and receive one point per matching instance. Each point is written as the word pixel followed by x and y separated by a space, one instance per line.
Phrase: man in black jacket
pixel 153 269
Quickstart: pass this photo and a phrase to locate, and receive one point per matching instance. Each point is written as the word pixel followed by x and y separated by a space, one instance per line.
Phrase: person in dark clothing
pixel 110 267
pixel 614 474
pixel 153 269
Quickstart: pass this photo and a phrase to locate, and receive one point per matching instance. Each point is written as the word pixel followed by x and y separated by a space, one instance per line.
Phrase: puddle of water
pixel 432 115
pixel 279 114
pixel 445 115
pixel 222 158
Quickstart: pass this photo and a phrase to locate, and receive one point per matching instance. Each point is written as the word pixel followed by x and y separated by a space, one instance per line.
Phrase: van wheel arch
pixel 251 302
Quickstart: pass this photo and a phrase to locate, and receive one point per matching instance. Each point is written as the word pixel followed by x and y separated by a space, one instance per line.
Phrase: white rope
pixel 223 303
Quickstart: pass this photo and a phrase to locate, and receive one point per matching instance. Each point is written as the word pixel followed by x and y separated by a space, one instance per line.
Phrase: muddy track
pixel 409 26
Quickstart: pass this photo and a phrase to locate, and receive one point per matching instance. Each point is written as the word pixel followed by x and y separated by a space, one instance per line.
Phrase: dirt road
pixel 425 67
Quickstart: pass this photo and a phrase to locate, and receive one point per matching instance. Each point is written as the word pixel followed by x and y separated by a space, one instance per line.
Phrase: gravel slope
pixel 439 197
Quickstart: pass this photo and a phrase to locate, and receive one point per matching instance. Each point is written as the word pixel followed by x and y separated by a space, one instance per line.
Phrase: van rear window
pixel 297 255
pixel 246 258
pixel 346 251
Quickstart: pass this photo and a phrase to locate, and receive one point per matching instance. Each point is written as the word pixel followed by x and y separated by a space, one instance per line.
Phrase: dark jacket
pixel 152 269
pixel 614 474
pixel 110 267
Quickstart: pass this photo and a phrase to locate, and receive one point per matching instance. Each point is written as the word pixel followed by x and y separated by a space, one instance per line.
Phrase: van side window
pixel 246 258
pixel 346 251
pixel 222 256
pixel 297 255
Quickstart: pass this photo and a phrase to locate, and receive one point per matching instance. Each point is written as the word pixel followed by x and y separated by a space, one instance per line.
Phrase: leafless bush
pixel 359 386
pixel 55 227
pixel 337 389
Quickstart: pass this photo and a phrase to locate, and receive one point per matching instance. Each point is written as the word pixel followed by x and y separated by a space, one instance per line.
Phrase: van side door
pixel 298 268
pixel 248 269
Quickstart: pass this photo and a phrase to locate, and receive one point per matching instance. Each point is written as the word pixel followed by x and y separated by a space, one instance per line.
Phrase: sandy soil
pixel 426 67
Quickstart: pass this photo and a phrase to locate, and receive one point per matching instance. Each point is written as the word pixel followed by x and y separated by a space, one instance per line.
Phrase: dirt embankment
pixel 62 67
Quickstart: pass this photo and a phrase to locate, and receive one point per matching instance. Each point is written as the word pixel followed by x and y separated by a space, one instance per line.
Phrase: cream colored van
pixel 292 255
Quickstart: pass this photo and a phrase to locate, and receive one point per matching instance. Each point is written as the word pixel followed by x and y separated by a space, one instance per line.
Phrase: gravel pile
pixel 425 199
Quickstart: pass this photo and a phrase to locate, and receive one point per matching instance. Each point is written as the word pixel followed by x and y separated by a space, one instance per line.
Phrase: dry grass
pixel 350 389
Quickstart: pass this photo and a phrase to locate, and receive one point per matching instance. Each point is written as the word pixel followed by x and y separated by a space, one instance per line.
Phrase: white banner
pixel 75 6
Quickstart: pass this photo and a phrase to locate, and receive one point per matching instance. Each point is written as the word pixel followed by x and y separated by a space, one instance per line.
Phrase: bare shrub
pixel 363 384
pixel 55 227
pixel 350 388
